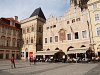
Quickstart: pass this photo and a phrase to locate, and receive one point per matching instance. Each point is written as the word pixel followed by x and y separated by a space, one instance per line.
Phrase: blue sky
pixel 24 8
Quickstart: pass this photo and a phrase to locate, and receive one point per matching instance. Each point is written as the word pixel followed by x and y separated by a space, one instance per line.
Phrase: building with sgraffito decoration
pixel 10 38
pixel 75 34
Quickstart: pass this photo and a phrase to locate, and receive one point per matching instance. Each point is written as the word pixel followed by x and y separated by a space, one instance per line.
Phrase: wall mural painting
pixel 62 34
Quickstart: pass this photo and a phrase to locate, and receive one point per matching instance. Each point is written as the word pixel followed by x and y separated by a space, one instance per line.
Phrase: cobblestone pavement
pixel 94 71
pixel 24 68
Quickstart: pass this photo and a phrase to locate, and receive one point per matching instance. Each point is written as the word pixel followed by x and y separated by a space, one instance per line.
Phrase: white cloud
pixel 24 8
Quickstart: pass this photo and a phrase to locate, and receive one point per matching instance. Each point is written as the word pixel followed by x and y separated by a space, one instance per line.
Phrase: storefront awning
pixel 46 52
pixel 77 50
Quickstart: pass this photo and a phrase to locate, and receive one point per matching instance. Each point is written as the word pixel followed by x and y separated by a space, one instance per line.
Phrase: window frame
pixel 97 31
pixel 56 40
pixel 75 35
pixel 84 36
pixel 97 17
pixel 46 40
pixel 70 36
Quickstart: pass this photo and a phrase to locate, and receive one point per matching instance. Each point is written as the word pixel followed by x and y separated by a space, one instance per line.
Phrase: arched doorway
pixel 83 46
pixel 69 48
pixel 70 55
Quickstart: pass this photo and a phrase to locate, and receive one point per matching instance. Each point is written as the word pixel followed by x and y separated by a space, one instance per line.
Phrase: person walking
pixel 34 60
pixel 13 62
pixel 31 60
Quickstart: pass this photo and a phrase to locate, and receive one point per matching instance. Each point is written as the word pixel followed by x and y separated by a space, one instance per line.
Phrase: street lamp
pixel 91 45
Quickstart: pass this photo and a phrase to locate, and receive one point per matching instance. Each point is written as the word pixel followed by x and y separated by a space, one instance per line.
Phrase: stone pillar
pixel 43 56
pixel 15 54
pixel 85 56
pixel 76 57
pixel 4 54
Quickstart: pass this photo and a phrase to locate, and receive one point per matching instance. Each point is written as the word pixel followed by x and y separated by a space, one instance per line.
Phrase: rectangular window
pixel 28 30
pixel 76 35
pixel 94 6
pixel 45 40
pixel 3 30
pixel 14 32
pixel 31 39
pixel 84 34
pixel 56 38
pixel 27 41
pixel 40 40
pixel 32 28
pixel 67 22
pixel 96 17
pixel 14 42
pixel 18 43
pixel 69 36
pixel 23 31
pixel 40 29
pixel 50 26
pixel 50 39
pixel 98 31
pixel 9 31
pixel 73 20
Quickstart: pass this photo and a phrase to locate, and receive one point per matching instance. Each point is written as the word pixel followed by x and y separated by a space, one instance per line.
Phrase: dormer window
pixel 12 23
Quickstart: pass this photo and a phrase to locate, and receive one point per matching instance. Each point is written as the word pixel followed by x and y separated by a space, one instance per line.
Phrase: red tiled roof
pixel 12 20
pixel 3 22
pixel 6 22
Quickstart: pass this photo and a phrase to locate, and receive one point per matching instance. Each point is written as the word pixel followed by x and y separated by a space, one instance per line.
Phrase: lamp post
pixel 90 29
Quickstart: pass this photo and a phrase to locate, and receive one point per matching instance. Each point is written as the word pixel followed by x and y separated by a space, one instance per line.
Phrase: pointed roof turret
pixel 38 12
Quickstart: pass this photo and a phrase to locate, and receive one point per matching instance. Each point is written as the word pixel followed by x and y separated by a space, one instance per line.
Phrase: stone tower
pixel 32 33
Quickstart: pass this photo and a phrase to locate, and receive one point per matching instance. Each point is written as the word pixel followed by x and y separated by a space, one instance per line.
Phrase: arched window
pixel 57 48
pixel 3 40
pixel 8 41
pixel 69 48
pixel 13 42
pixel 83 46
pixel 48 49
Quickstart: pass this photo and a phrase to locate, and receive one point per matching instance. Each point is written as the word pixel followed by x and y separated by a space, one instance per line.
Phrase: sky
pixel 24 8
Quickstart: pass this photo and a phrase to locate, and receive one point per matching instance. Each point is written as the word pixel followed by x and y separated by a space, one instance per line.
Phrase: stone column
pixel 43 56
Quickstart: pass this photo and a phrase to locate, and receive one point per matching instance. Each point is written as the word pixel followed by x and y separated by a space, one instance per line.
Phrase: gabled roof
pixel 38 12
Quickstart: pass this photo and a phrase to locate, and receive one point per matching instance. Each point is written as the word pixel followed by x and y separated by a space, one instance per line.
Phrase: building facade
pixel 68 31
pixel 10 37
pixel 94 21
pixel 32 34
pixel 75 33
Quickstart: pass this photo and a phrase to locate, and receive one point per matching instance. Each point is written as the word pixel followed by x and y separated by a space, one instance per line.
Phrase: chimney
pixel 16 18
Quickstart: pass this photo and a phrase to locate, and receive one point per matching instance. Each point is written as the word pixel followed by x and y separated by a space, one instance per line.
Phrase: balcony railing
pixel 9 47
